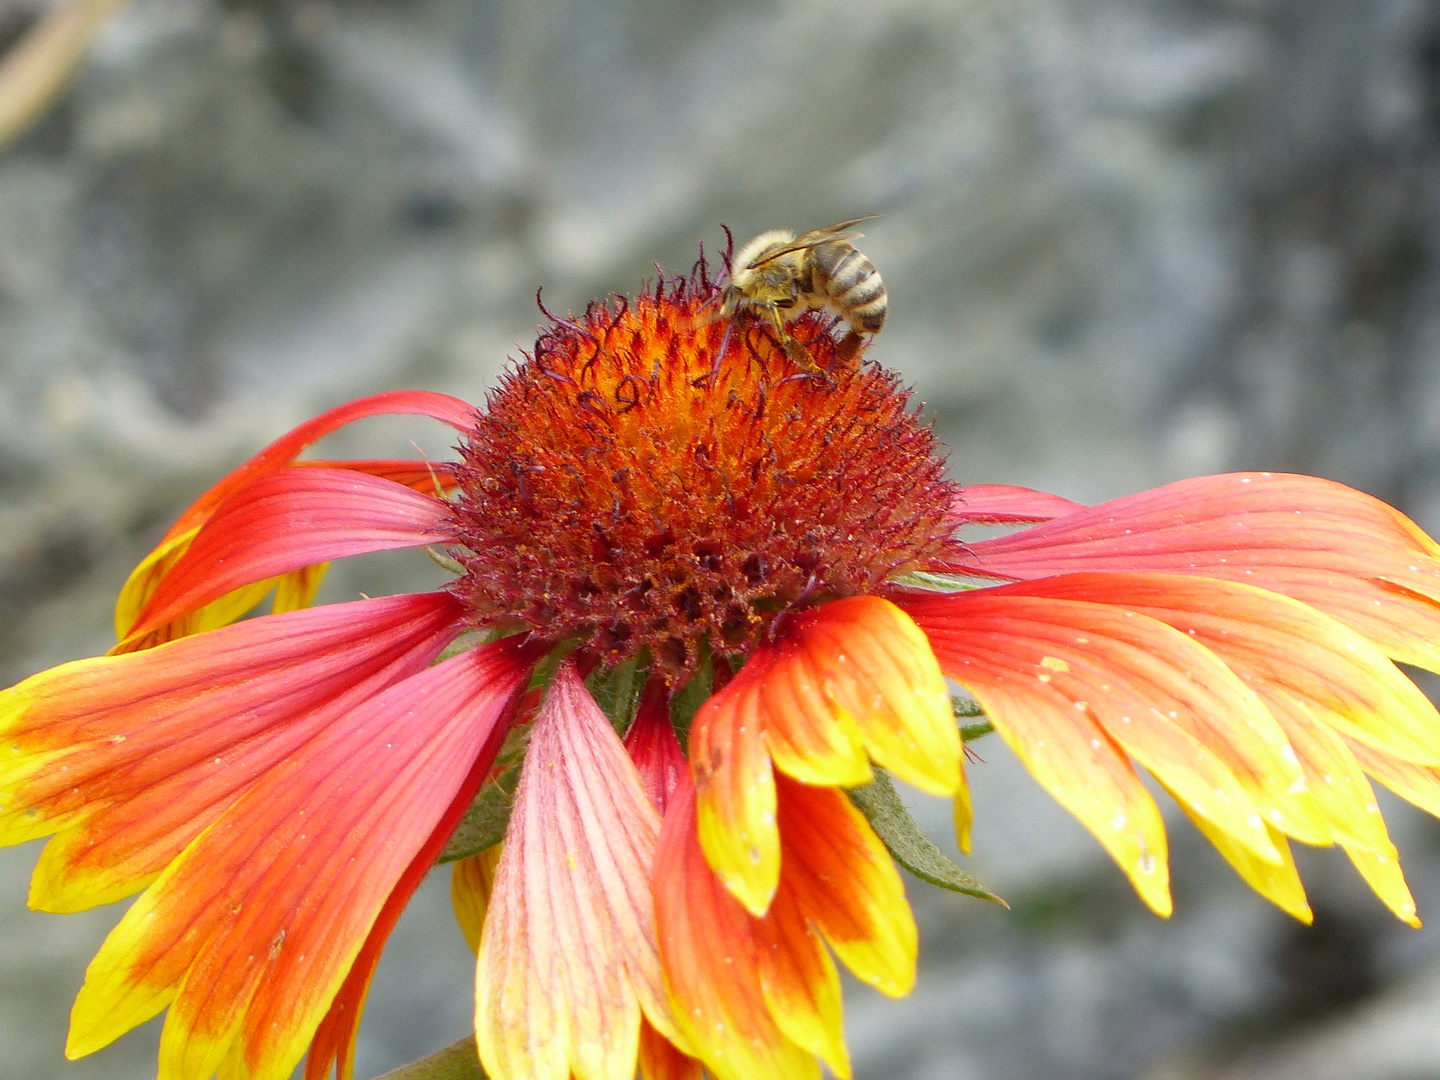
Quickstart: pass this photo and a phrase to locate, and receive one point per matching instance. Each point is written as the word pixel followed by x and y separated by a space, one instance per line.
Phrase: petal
pixel 334 1040
pixel 1283 649
pixel 1381 871
pixel 847 677
pixel 143 581
pixel 1277 881
pixel 799 983
pixel 653 747
pixel 568 958
pixel 872 664
pixel 297 589
pixel 1065 748
pixel 711 959
pixel 735 785
pixel 472 880
pixel 1001 504
pixel 1327 545
pixel 251 932
pixel 1166 699
pixel 287 520
pixel 134 755
pixel 661 1060
pixel 839 874
pixel 458 414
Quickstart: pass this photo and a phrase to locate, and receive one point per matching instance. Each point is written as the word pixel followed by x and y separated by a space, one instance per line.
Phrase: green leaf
pixel 483 825
pixel 458 1061
pixel 907 845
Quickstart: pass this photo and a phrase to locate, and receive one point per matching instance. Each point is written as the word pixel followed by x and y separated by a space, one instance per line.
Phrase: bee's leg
pixel 793 348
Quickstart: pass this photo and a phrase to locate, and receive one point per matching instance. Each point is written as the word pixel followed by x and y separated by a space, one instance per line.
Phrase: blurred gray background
pixel 1125 240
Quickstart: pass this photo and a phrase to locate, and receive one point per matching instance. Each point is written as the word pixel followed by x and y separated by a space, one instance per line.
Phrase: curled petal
pixel 287 520
pixel 568 958
pixel 449 410
pixel 130 757
pixel 1327 545
pixel 251 932
pixel 871 664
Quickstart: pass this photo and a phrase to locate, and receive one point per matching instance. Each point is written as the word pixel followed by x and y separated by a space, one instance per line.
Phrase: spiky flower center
pixel 625 492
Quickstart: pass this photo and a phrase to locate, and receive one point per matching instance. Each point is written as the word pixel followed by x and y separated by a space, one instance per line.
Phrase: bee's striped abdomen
pixel 853 284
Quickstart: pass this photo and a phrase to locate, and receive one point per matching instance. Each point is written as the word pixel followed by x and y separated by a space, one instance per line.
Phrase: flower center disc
pixel 623 490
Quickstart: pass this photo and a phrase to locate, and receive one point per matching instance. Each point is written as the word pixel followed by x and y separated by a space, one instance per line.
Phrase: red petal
pixel 1001 504
pixel 653 747
pixel 136 754
pixel 147 576
pixel 430 477
pixel 334 1040
pixel 448 410
pixel 1320 542
pixel 289 519
pixel 568 957
pixel 253 930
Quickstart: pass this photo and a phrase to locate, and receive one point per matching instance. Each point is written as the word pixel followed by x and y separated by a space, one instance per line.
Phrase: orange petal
pixel 568 957
pixel 1154 691
pixel 870 664
pixel 1327 545
pixel 660 1059
pixel 735 786
pixel 711 958
pixel 840 876
pixel 287 520
pixel 251 932
pixel 1063 746
pixel 799 982
pixel 132 756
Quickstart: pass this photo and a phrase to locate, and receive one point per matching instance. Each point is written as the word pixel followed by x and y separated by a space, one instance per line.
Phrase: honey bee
pixel 781 276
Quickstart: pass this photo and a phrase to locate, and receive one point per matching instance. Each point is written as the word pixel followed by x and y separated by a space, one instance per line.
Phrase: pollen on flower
pixel 629 489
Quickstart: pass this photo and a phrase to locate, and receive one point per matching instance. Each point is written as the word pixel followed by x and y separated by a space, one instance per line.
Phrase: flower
pixel 757 559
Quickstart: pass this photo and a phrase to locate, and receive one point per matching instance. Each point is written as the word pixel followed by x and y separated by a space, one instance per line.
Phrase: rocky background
pixel 1126 241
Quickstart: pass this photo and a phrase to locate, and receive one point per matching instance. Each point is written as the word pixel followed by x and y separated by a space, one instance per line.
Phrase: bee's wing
pixel 814 238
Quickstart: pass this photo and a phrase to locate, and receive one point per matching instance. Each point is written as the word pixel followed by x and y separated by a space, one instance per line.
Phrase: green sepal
pixel 617 691
pixel 458 1061
pixel 484 824
pixel 907 845
pixel 686 701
